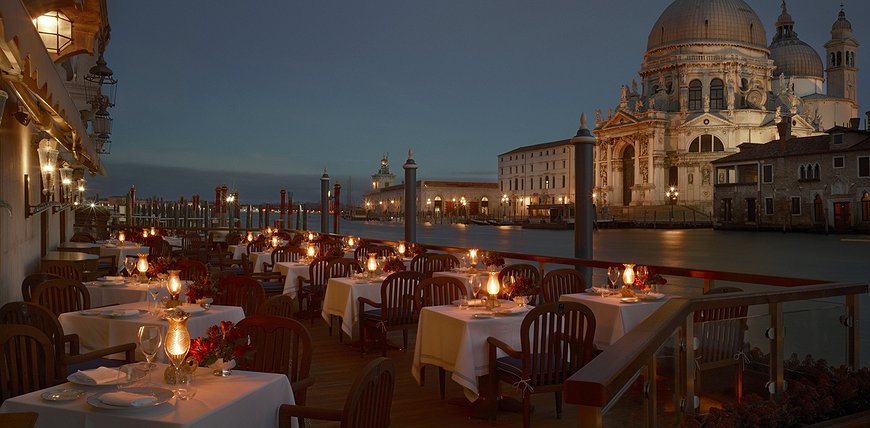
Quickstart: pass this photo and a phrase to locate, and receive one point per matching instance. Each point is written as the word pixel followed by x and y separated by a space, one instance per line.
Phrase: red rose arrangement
pixel 651 280
pixel 201 288
pixel 161 266
pixel 224 341
pixel 520 286
pixel 393 264
pixel 491 259
pixel 414 249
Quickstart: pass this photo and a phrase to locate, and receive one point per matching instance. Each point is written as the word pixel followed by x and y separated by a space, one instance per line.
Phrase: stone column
pixel 584 215
pixel 324 202
pixel 410 199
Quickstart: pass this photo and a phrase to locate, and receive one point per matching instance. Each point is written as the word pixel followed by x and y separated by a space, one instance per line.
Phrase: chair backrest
pixel 342 267
pixel 438 291
pixel 720 331
pixel 286 254
pixel 32 280
pixel 520 270
pixel 28 313
pixel 63 269
pixel 233 238
pixel 318 272
pixel 429 263
pixel 159 248
pixel 281 345
pixel 241 291
pixel 371 396
pixel 360 253
pixel 83 237
pixel 380 250
pixel 562 281
pixel 191 242
pixel 191 270
pixel 27 360
pixel 397 297
pixel 557 339
pixel 280 305
pixel 258 246
pixel 62 295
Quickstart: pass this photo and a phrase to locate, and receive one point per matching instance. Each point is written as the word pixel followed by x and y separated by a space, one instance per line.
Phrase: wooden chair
pixel 562 281
pixel 26 360
pixel 283 254
pixel 394 312
pixel 62 295
pixel 381 250
pixel 83 237
pixel 18 419
pixel 520 270
pixel 67 362
pixel 281 345
pixel 428 263
pixel 720 333
pixel 190 269
pixel 32 280
pixel 556 341
pixel 241 291
pixel 280 306
pixel 193 247
pixel 437 291
pixel 63 269
pixel 159 248
pixel 233 238
pixel 313 288
pixel 368 402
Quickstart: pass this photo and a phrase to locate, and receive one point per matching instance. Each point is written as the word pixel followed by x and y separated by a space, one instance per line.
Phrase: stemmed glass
pixel 476 285
pixel 149 343
pixel 129 264
pixel 613 275
pixel 642 274
pixel 154 288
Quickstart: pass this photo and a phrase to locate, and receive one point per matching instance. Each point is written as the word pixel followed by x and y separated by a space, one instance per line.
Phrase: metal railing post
pixel 777 344
pixel 853 323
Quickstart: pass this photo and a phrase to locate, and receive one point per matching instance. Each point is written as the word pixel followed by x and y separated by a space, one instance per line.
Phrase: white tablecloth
pixel 259 258
pixel 99 331
pixel 238 251
pixel 244 399
pixel 341 299
pixel 292 272
pixel 612 317
pixel 121 253
pixel 452 338
pixel 130 291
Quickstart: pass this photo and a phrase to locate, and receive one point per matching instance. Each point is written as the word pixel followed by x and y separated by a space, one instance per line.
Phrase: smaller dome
pixel 842 28
pixel 796 59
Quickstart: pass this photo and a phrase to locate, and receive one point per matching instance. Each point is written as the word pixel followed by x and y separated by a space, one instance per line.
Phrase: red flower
pixel 224 342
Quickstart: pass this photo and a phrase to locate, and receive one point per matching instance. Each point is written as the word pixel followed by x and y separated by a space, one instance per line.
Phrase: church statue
pixel 778 114
pixel 638 105
pixel 633 86
pixel 651 104
pixel 598 116
pixel 706 103
pixel 623 92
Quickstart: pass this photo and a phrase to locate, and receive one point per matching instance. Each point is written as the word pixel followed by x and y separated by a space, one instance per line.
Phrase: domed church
pixel 708 83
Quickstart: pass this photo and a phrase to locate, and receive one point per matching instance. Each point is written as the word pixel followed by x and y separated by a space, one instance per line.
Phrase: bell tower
pixel 840 53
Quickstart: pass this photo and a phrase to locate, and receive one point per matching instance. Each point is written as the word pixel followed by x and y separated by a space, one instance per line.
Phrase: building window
pixel 673 179
pixel 864 166
pixel 767 173
pixel 515 184
pixel 865 207
pixel 750 210
pixel 531 184
pixel 563 181
pixel 484 205
pixel 695 95
pixel 540 182
pixel 840 162
pixel 706 143
pixel 818 210
pixel 717 94
pixel 532 168
pixel 795 205
pixel 838 138
pixel 563 163
pixel 726 209
pixel 768 206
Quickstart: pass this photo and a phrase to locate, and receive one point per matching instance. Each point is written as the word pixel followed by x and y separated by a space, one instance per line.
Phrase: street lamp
pixel 672 195
pixel 429 208
pixel 504 201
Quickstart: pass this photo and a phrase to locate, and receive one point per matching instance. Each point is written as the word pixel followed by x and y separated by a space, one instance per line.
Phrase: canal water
pixel 840 258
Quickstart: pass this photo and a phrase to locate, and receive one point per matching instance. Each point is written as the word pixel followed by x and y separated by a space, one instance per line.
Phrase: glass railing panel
pixel 813 329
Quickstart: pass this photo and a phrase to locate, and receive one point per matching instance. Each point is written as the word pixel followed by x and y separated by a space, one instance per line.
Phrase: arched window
pixel 695 95
pixel 706 143
pixel 438 204
pixel 484 205
pixel 833 59
pixel 839 58
pixel 717 94
pixel 803 173
pixel 816 173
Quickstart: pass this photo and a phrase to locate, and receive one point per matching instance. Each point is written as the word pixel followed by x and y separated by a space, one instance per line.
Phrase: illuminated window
pixel 55 29
pixel 706 143
pixel 717 95
pixel 695 95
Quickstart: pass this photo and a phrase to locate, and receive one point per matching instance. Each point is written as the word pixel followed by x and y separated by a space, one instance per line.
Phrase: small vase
pixel 626 292
pixel 223 367
pixel 521 301
pixel 205 302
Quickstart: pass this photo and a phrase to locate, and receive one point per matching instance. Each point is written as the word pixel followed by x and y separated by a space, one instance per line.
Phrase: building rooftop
pixel 559 143
pixel 798 146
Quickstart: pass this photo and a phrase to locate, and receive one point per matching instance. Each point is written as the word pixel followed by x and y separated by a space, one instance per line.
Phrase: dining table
pixel 114 290
pixel 121 251
pixel 615 315
pixel 291 271
pixel 341 299
pixel 243 399
pixel 101 328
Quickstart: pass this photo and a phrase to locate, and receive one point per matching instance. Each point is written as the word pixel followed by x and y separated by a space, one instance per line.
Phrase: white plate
pixel 67 394
pixel 483 315
pixel 651 296
pixel 191 309
pixel 161 394
pixel 629 300
pixel 112 314
pixel 137 375
pixel 510 311
pixel 90 312
pixel 112 278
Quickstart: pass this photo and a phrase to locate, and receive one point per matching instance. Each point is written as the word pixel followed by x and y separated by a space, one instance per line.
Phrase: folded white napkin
pixel 127 399
pixel 113 278
pixel 513 310
pixel 124 312
pixel 98 376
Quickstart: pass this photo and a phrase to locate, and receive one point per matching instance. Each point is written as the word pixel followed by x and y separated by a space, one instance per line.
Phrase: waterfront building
pixel 537 179
pixel 709 82
pixel 54 125
pixel 437 200
pixel 805 183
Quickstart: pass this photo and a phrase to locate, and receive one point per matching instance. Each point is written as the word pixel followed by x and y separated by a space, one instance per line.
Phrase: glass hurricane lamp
pixel 173 286
pixel 372 264
pixel 493 287
pixel 142 267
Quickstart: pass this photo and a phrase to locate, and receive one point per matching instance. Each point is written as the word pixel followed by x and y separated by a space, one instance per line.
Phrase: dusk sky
pixel 266 94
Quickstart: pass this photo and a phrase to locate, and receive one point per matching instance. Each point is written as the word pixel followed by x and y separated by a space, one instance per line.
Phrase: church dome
pixel 842 28
pixel 796 58
pixel 728 21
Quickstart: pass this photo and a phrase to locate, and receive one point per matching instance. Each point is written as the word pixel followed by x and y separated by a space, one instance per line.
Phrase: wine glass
pixel 507 286
pixel 129 264
pixel 642 274
pixel 613 275
pixel 149 343
pixel 154 288
pixel 476 285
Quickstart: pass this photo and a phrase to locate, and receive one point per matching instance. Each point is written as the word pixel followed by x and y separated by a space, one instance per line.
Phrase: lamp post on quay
pixel 672 195
pixel 504 201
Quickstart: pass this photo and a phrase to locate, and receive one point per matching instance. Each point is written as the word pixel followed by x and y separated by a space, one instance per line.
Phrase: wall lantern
pixel 55 29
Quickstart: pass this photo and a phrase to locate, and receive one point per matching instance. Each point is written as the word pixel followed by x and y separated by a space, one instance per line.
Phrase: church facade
pixel 708 83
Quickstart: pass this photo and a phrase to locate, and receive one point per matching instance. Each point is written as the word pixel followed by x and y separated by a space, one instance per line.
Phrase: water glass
pixel 476 285
pixel 154 288
pixel 150 338
pixel 185 389
pixel 463 302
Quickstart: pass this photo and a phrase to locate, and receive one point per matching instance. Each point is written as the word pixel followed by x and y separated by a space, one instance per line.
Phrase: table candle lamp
pixel 627 280
pixel 275 241
pixel 250 236
pixel 310 236
pixel 492 289
pixel 401 249
pixel 121 237
pixel 177 341
pixel 173 286
pixel 310 251
pixel 372 265
pixel 472 259
pixel 144 233
pixel 350 241
pixel 153 231
pixel 268 231
pixel 142 267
